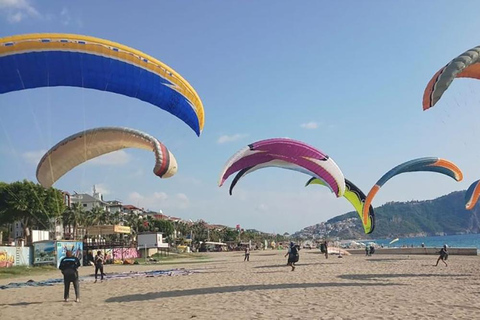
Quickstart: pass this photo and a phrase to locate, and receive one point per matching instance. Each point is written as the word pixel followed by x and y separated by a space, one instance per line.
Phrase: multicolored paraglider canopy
pixel 431 164
pixel 85 145
pixel 287 154
pixel 466 65
pixel 357 198
pixel 472 194
pixel 49 60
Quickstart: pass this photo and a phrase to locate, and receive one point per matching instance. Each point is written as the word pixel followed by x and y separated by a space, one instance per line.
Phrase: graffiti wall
pixel 125 253
pixel 44 252
pixel 14 256
pixel 75 246
pixel 116 255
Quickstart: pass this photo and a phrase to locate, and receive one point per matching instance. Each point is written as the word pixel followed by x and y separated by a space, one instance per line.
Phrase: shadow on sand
pixel 230 289
pixel 396 276
pixel 386 259
pixel 19 304
pixel 284 265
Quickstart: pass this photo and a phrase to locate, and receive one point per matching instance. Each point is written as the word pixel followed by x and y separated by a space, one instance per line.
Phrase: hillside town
pixel 328 230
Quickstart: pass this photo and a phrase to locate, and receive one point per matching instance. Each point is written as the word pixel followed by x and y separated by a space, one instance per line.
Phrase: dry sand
pixel 353 287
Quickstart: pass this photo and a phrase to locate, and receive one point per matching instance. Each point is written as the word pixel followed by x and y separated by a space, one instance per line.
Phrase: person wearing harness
pixel 69 266
pixel 293 255
pixel 325 245
pixel 247 253
pixel 99 265
pixel 443 255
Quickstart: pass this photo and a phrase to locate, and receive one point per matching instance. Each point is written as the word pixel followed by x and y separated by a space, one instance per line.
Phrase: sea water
pixel 457 241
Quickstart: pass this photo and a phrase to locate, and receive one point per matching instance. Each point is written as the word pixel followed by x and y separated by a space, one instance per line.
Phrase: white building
pixel 88 202
pixel 115 206
pixel 151 240
pixel 150 243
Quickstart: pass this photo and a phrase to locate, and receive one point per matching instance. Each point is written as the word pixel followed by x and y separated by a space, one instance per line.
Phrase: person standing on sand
pixel 99 260
pixel 247 253
pixel 325 243
pixel 443 255
pixel 293 255
pixel 69 266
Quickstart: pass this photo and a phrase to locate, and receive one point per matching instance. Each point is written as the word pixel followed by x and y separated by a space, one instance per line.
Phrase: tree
pixel 182 228
pixel 199 230
pixel 135 222
pixel 31 204
pixel 230 235
pixel 164 226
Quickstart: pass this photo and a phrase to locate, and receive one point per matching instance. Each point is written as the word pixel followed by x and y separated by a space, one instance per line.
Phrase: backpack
pixel 294 251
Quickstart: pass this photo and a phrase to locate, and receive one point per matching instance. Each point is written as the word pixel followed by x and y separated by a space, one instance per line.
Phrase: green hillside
pixel 444 215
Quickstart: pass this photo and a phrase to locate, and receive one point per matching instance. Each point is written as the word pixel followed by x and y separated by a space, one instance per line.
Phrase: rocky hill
pixel 445 215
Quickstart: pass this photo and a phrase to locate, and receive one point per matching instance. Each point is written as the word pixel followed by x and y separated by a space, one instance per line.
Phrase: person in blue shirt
pixel 69 266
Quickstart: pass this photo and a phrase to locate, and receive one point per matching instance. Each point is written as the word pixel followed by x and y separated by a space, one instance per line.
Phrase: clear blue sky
pixel 346 77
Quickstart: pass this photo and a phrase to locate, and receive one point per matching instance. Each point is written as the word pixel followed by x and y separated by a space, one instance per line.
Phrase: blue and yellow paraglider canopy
pixel 49 60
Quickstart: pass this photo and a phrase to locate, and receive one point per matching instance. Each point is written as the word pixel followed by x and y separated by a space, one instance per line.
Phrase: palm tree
pixel 74 217
pixel 97 216
pixel 135 223
pixel 114 218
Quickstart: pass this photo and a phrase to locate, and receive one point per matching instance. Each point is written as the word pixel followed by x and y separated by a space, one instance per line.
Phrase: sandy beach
pixel 226 287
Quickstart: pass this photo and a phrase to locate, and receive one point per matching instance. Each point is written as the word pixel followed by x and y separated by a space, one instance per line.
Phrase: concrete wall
pixel 420 251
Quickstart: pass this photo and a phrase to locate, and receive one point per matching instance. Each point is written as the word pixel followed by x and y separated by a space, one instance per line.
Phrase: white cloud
pixel 67 19
pixel 33 157
pixel 159 201
pixel 15 17
pixel 182 200
pixel 227 138
pixel 309 125
pixel 117 158
pixel 18 10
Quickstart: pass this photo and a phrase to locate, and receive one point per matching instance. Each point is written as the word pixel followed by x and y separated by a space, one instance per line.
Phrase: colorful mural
pixel 44 252
pixel 6 259
pixel 63 246
pixel 14 256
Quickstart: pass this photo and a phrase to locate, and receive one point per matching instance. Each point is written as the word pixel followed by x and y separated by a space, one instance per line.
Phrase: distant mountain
pixel 445 215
